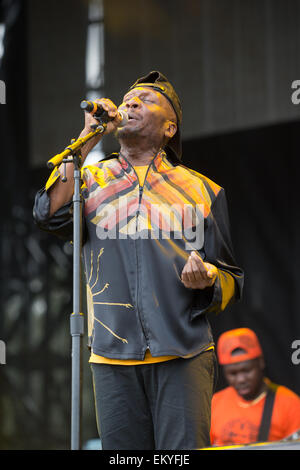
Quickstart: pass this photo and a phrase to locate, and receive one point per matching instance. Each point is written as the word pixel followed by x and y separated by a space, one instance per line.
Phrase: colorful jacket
pixel 136 242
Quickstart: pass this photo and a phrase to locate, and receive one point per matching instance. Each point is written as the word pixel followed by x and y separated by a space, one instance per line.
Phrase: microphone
pixel 102 116
pixel 100 113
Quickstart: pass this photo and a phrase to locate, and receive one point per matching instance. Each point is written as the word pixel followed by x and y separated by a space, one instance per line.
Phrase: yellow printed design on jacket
pixel 114 197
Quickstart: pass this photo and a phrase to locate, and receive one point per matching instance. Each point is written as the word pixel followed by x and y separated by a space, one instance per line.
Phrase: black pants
pixel 162 406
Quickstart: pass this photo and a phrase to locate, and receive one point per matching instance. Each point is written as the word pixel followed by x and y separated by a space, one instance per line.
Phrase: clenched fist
pixel 197 274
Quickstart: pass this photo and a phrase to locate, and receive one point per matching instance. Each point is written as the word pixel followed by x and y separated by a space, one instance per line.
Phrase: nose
pixel 240 379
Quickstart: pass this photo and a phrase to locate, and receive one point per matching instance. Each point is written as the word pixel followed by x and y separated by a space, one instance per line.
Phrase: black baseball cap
pixel 160 83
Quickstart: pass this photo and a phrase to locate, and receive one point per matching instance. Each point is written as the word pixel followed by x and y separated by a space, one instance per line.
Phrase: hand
pixel 197 274
pixel 89 120
pixel 112 111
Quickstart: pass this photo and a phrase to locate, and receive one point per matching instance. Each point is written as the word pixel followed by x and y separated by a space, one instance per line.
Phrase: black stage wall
pixel 36 270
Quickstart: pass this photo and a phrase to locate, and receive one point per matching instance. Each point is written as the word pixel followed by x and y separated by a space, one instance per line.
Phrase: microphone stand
pixel 76 317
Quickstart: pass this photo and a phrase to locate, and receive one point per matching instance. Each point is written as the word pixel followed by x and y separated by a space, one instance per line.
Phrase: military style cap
pixel 160 83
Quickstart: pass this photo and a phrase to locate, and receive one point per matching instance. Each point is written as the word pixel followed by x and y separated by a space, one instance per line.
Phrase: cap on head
pixel 160 83
pixel 241 338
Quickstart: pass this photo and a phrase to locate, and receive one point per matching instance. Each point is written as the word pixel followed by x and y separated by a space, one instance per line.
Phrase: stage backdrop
pixel 232 62
pixel 258 169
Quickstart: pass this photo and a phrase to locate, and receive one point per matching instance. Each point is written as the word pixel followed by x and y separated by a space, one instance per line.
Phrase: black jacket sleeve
pixel 218 250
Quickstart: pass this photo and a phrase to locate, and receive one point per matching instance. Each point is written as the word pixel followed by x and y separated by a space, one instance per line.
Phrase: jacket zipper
pixel 141 189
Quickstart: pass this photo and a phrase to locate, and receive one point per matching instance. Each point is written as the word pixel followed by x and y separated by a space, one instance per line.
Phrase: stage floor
pixel 281 445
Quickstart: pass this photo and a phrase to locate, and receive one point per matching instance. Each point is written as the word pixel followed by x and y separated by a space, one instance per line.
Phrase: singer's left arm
pixel 213 271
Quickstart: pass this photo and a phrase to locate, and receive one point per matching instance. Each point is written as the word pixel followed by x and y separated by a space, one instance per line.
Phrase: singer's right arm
pixel 62 192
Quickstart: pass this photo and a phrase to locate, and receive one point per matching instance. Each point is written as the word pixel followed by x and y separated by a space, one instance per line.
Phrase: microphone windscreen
pixel 124 116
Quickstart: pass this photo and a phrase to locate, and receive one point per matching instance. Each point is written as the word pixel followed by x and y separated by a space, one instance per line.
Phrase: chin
pixel 246 395
pixel 124 133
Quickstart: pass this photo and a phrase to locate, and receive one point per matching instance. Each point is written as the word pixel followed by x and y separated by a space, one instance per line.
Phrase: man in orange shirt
pixel 237 410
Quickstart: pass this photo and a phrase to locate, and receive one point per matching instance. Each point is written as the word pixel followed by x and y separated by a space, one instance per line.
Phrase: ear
pixel 170 129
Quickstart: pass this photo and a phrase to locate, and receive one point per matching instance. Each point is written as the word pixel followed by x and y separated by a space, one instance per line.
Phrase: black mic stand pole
pixel 76 318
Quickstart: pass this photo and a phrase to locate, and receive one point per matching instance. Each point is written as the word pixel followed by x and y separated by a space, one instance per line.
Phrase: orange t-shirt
pixel 236 421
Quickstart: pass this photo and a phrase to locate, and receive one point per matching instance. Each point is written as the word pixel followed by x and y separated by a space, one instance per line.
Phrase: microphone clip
pixel 101 126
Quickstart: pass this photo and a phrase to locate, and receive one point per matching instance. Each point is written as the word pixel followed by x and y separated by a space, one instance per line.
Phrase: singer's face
pixel 149 114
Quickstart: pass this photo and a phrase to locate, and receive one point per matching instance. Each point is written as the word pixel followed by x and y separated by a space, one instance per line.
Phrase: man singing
pixel 158 259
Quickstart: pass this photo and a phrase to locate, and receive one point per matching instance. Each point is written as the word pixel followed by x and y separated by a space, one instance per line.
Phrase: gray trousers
pixel 162 406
